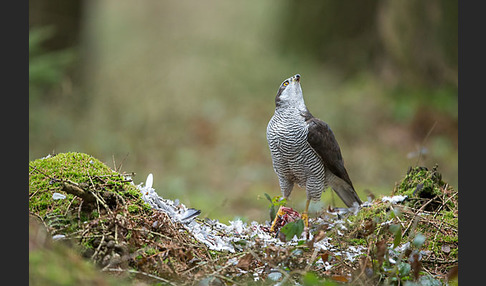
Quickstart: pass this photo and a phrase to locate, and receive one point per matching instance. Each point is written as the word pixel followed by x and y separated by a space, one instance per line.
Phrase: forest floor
pixel 91 224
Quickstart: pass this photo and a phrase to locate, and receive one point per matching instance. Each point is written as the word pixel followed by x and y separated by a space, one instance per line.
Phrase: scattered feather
pixel 58 237
pixel 394 199
pixel 58 196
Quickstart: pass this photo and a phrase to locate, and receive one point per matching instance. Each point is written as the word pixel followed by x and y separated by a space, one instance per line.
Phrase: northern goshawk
pixel 304 150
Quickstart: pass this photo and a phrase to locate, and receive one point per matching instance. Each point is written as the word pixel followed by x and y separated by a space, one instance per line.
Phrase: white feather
pixel 149 181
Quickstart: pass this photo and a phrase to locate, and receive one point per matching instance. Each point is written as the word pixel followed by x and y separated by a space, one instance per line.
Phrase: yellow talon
pixel 280 212
pixel 305 218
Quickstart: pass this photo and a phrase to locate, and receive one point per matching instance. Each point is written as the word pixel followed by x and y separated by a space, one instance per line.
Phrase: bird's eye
pixel 285 83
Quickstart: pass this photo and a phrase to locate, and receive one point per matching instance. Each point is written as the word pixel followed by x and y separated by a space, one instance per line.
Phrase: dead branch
pixel 87 196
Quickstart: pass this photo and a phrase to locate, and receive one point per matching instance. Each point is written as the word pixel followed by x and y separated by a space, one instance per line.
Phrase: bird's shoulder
pixel 321 138
pixel 318 129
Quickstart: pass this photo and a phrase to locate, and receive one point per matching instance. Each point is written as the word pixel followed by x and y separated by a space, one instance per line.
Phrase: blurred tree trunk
pixel 55 64
pixel 54 70
pixel 405 41
pixel 420 40
pixel 338 33
pixel 64 16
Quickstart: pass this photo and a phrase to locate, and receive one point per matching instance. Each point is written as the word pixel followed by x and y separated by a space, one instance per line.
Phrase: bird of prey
pixel 304 150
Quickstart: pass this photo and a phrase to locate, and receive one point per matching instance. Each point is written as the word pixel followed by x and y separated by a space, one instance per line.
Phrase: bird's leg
pixel 280 212
pixel 305 218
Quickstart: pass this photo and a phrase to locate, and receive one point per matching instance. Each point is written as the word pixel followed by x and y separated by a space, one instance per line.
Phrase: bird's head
pixel 290 93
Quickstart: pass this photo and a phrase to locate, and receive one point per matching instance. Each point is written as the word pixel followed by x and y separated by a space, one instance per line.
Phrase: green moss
pixel 421 185
pixel 444 239
pixel 420 182
pixel 376 211
pixel 47 175
pixel 133 209
pixel 375 214
pixel 358 241
pixel 438 225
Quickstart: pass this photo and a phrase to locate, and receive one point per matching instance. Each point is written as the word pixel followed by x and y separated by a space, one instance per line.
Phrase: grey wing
pixel 322 140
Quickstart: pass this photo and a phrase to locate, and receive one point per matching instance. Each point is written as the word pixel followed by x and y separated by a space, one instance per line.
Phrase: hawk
pixel 304 150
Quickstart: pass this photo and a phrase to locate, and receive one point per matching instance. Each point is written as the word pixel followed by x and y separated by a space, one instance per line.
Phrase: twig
pixel 114 163
pixel 31 195
pixel 313 258
pixel 30 173
pixel 443 204
pixel 141 273
pixel 116 232
pixel 121 164
pixel 423 142
pixel 43 173
pixel 36 215
pixel 227 265
pixel 116 175
pixel 434 241
pixel 286 276
pixel 79 212
pixel 227 279
pixel 67 208
pixel 99 247
pixel 435 261
pixel 74 189
pixel 417 213
pixel 194 267
pixel 102 202
pixel 124 203
pixel 82 236
pixel 397 217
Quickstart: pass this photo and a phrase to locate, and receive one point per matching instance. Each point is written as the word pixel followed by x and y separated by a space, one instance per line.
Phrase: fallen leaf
pixel 416 265
pixel 245 261
pixel 369 227
pixel 325 256
pixel 380 251
pixel 339 278
pixel 321 233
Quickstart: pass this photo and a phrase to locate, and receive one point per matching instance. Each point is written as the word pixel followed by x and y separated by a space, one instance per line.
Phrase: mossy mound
pixel 424 225
pixel 425 188
pixel 101 212
pixel 55 174
pixel 93 198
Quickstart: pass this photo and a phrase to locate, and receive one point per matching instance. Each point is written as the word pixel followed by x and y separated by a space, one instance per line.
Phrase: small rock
pixel 274 276
pixel 110 244
pixel 445 248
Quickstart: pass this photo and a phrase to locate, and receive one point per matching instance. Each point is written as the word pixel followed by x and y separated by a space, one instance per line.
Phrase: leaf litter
pixel 142 236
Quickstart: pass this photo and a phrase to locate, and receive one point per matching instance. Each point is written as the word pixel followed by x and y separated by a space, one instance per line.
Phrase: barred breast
pixel 293 158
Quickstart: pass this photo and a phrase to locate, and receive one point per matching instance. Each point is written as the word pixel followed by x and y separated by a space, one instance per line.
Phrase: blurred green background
pixel 185 89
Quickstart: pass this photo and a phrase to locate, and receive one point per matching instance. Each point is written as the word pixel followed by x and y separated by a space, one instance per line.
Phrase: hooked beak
pixel 296 78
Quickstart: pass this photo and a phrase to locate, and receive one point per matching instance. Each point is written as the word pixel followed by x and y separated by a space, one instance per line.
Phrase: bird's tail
pixel 345 191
